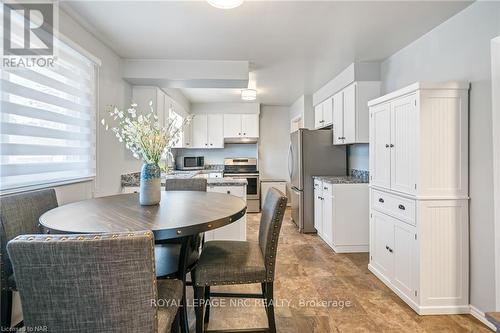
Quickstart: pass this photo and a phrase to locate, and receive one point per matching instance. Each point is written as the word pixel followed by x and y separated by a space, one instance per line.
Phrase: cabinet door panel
pixel 383 240
pixel 199 131
pixel 318 115
pixel 403 139
pixel 250 125
pixel 215 126
pixel 404 258
pixel 232 125
pixel 328 111
pixel 328 218
pixel 350 114
pixel 380 153
pixel 318 212
pixel 338 118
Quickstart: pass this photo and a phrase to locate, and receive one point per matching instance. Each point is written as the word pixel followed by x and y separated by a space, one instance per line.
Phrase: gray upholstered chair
pixel 19 214
pixel 237 262
pixel 93 283
pixel 188 184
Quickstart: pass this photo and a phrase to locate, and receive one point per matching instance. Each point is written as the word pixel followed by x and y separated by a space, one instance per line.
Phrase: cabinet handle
pixel 325 188
pixel 387 146
pixel 391 145
pixel 401 207
pixel 381 200
pixel 390 250
pixel 340 138
pixel 211 144
pixel 206 144
pixel 244 134
pixel 228 192
pixel 239 133
pixel 387 248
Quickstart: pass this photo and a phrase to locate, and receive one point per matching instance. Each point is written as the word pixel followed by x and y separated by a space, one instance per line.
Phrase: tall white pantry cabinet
pixel 419 233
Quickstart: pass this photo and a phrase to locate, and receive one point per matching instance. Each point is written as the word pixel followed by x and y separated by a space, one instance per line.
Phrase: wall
pixel 274 142
pixel 459 49
pixel 225 107
pixel 357 156
pixel 112 159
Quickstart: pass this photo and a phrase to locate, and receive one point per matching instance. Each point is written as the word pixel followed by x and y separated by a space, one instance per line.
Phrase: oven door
pixel 253 186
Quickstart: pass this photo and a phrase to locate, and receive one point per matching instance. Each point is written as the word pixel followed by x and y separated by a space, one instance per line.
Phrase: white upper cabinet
pixel 323 113
pixel 380 138
pixel 338 118
pixel 199 131
pixel 232 125
pixel 241 125
pixel 350 112
pixel 250 125
pixel 215 131
pixel 402 145
pixel 143 95
pixel 419 139
pixel 208 131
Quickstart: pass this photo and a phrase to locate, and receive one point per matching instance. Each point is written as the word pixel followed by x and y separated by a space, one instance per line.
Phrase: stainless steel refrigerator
pixel 311 153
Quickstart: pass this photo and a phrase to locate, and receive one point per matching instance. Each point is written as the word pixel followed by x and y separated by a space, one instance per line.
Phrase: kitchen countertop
pixel 342 179
pixel 133 179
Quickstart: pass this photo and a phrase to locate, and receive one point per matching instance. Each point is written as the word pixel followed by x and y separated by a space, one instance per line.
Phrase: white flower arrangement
pixel 143 134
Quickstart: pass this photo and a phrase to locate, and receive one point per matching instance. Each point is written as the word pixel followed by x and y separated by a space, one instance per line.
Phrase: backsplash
pixel 362 174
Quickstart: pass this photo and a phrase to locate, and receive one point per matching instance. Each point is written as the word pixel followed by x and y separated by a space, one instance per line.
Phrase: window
pixel 48 119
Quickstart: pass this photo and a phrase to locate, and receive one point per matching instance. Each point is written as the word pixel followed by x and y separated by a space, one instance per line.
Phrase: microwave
pixel 190 162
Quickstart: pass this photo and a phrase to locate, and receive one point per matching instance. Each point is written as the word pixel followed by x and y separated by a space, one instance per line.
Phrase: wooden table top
pixel 180 213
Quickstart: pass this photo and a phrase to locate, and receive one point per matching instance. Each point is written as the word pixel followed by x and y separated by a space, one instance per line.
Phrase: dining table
pixel 180 216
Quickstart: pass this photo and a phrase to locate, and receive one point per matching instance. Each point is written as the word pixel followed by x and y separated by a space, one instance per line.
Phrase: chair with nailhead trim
pixel 19 214
pixel 237 262
pixel 93 283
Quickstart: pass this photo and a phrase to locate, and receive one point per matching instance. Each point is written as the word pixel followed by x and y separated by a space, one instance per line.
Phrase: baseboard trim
pixel 479 315
pixel 350 248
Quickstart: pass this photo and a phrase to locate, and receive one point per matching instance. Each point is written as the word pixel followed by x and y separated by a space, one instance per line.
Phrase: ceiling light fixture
pixel 248 94
pixel 225 4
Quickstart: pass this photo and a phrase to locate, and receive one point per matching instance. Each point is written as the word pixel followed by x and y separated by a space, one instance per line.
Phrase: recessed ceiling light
pixel 248 94
pixel 225 4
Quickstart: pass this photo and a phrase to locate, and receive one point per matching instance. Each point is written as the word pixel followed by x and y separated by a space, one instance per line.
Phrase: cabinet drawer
pixel 396 206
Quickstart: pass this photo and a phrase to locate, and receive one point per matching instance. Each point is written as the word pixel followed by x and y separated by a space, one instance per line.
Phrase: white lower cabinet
pixel 236 230
pixel 423 258
pixel 341 215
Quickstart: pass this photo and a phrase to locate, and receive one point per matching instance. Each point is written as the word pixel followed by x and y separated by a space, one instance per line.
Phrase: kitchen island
pixel 215 183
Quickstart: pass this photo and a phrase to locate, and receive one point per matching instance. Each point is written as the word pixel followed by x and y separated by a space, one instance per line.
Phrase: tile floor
pixel 317 290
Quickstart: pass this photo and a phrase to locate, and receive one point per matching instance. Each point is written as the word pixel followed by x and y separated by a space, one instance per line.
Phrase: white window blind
pixel 48 119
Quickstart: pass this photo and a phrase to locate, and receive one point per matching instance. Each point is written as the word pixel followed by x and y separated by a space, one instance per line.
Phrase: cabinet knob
pixel 211 144
pixel 244 134
pixel 381 200
pixel 386 146
pixel 228 192
pixel 325 188
pixel 206 144
pixel 239 133
pixel 390 250
pixel 340 138
pixel 401 207
pixel 391 145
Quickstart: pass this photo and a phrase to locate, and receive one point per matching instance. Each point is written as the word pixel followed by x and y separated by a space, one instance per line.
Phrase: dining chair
pixel 93 283
pixel 168 253
pixel 19 214
pixel 241 262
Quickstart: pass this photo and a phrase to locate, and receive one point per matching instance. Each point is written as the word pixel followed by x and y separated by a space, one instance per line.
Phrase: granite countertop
pixel 342 179
pixel 356 177
pixel 133 179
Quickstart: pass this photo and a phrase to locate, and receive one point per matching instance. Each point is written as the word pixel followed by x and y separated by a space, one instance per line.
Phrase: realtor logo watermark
pixel 28 33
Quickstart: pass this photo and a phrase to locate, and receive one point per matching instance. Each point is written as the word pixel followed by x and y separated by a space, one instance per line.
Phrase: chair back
pixel 19 214
pixel 86 283
pixel 189 184
pixel 271 219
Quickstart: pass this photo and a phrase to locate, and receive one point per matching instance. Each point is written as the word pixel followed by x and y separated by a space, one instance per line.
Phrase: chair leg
pixel 207 301
pixel 270 306
pixel 6 309
pixel 199 302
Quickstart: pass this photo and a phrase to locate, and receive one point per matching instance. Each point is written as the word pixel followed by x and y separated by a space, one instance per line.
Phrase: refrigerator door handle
pixel 290 159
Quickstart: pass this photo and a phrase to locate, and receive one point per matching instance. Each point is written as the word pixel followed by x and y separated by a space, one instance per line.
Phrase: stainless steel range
pixel 245 168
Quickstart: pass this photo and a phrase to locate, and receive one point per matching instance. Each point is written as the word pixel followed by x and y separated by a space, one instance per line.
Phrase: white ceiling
pixel 294 47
